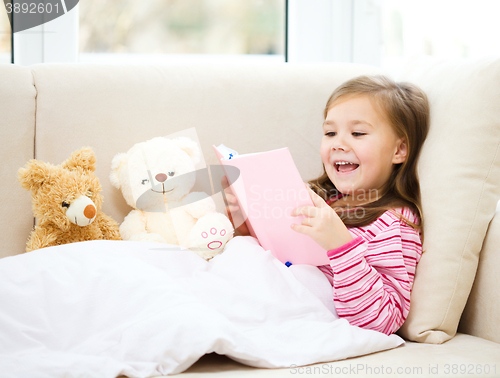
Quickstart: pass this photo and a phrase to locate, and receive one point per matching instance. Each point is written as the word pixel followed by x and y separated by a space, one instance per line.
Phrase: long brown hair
pixel 407 109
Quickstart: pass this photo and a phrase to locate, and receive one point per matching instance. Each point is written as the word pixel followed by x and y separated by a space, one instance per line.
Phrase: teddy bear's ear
pixel 33 175
pixel 116 166
pixel 83 158
pixel 190 147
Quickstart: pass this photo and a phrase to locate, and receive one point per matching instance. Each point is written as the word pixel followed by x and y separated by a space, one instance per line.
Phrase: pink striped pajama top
pixel 373 274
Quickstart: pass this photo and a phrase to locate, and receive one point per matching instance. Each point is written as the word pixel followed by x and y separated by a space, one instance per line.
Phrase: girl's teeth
pixel 345 166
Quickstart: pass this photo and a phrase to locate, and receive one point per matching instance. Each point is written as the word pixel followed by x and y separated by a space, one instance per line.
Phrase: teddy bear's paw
pixel 217 243
pixel 210 235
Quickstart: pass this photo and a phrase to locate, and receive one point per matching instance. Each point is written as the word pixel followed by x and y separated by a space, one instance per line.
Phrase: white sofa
pixel 50 110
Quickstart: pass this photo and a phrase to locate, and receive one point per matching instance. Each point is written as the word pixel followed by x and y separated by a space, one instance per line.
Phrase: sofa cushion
pixel 460 181
pixel 17 133
pixel 463 356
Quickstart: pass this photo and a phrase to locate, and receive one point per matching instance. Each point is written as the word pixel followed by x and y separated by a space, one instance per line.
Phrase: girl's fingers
pixel 307 221
pixel 231 199
pixel 308 211
pixel 306 230
pixel 233 209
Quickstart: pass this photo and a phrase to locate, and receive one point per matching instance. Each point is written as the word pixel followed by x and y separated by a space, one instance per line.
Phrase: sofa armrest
pixel 481 314
pixel 17 133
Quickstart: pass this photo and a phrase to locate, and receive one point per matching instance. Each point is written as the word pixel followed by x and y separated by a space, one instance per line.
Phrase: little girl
pixel 367 213
pixel 371 222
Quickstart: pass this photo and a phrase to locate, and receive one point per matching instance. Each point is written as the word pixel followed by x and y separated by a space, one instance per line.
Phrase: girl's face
pixel 359 148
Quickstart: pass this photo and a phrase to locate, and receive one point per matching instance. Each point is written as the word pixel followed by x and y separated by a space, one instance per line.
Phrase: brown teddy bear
pixel 66 202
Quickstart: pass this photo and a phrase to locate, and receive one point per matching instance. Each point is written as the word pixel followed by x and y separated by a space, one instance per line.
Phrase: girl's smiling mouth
pixel 344 166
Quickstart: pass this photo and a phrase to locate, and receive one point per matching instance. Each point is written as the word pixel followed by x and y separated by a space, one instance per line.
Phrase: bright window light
pixel 441 28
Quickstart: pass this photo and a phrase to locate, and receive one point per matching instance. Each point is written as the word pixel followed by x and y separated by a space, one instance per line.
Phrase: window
pixel 444 28
pixel 377 32
pixel 385 33
pixel 166 30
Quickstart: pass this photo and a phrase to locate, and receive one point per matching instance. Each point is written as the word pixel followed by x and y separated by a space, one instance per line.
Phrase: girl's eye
pixel 330 133
pixel 171 173
pixel 358 134
pixel 143 182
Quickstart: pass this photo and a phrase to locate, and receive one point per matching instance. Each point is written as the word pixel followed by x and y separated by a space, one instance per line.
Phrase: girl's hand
pixel 234 211
pixel 322 224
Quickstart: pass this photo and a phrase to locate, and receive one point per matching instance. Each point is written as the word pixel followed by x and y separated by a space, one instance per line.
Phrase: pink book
pixel 268 187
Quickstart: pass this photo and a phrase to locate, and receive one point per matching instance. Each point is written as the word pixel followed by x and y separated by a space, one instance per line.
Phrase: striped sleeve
pixel 372 280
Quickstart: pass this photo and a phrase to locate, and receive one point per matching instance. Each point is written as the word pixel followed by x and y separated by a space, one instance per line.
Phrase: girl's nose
pixel 341 141
pixel 339 145
pixel 339 148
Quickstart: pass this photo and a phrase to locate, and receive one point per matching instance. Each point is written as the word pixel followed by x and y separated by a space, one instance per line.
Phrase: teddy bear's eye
pixel 65 204
pixel 171 173
pixel 144 181
pixel 89 193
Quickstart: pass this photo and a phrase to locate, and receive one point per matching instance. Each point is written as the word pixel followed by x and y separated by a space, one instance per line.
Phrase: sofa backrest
pixel 248 108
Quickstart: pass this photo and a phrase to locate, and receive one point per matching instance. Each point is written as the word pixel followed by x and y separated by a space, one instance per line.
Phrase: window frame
pixel 315 31
pixel 54 41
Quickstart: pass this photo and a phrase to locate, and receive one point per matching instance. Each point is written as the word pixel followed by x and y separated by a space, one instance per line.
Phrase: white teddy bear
pixel 155 178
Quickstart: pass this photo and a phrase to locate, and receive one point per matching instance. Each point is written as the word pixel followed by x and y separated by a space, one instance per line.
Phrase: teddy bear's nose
pixel 89 211
pixel 161 177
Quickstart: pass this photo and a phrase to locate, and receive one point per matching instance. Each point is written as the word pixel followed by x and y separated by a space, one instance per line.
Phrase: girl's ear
pixel 401 152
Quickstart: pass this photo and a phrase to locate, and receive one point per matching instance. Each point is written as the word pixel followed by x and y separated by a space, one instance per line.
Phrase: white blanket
pixel 106 308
